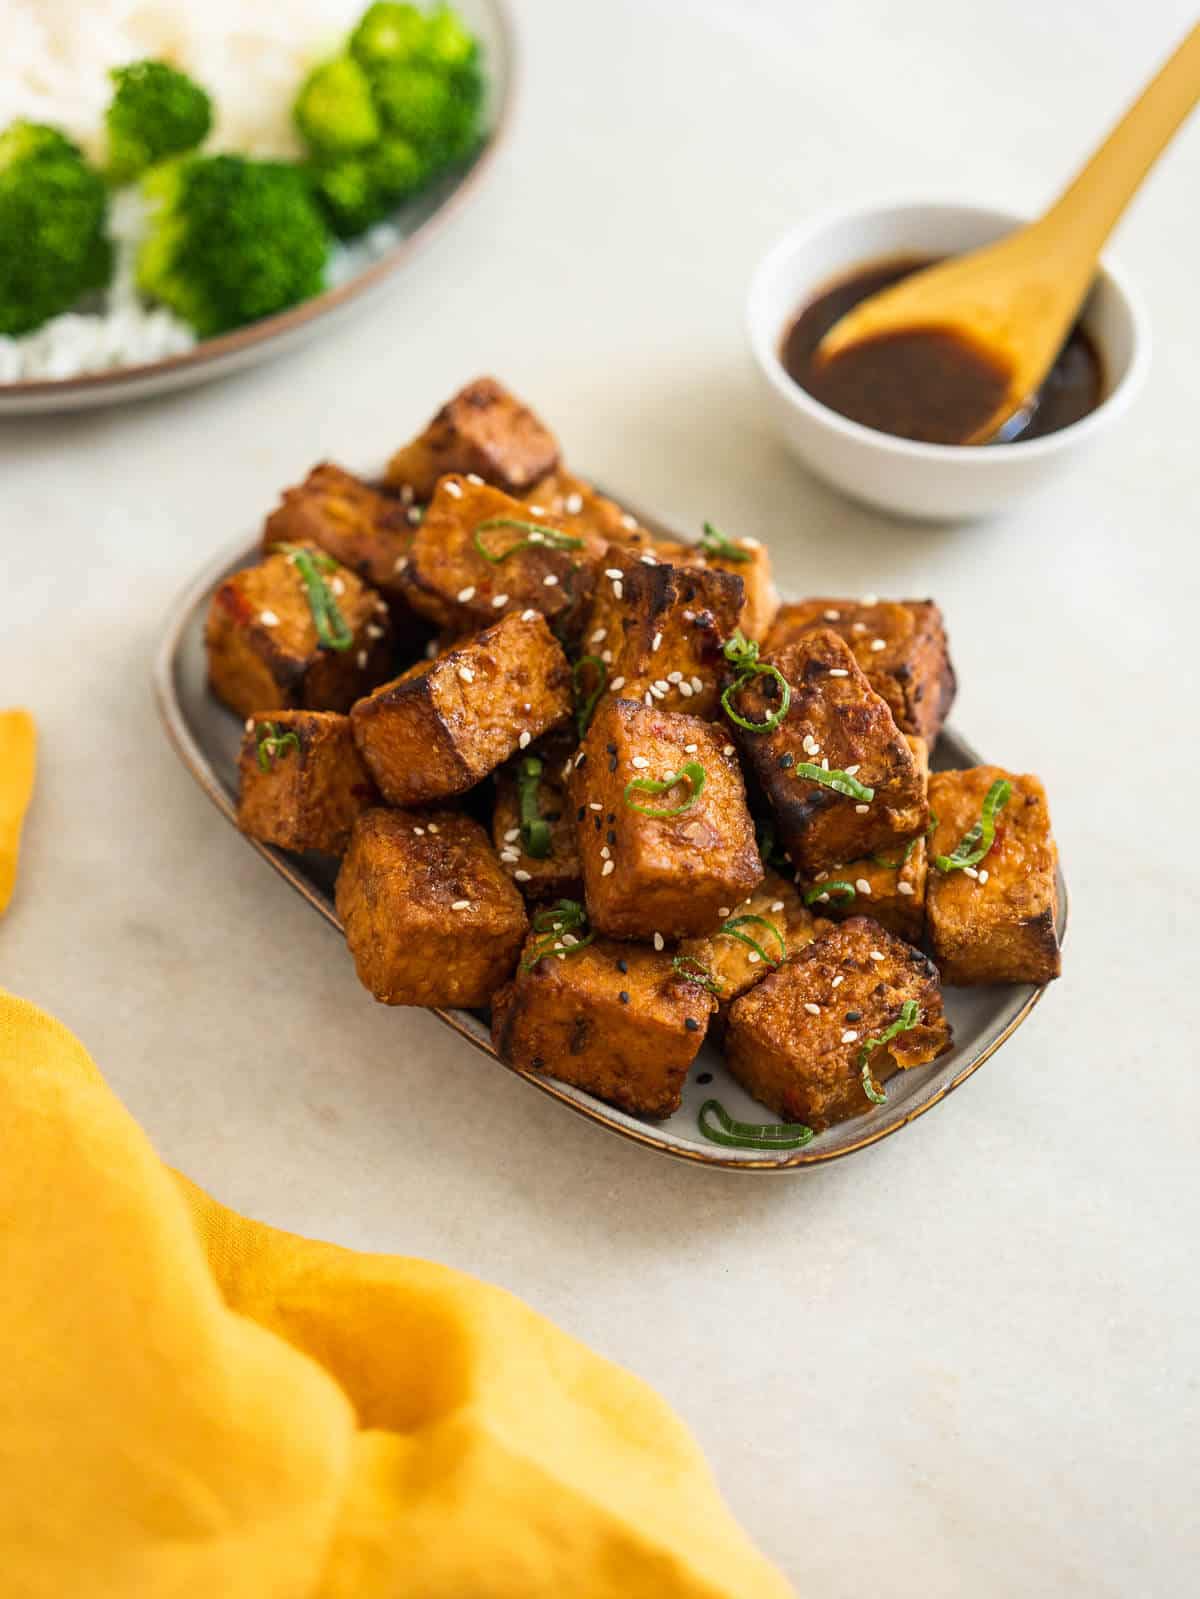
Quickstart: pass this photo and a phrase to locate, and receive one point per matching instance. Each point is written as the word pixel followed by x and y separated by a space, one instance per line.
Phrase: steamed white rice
pixel 250 55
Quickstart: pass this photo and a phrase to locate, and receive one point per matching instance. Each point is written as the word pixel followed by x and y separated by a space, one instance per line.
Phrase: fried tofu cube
pixel 363 529
pixel 265 652
pixel 444 724
pixel 449 580
pixel 900 645
pixel 753 566
pixel 429 915
pixel 995 921
pixel 540 777
pixel 613 1019
pixel 659 629
pixel 583 510
pixel 723 961
pixel 797 1040
pixel 646 873
pixel 301 782
pixel 483 430
pixel 835 723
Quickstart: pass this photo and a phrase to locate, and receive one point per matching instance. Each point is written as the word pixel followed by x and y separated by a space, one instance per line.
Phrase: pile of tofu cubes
pixel 507 708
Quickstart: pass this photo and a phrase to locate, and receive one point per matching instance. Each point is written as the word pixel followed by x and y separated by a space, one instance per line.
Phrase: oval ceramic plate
pixel 417 221
pixel 208 737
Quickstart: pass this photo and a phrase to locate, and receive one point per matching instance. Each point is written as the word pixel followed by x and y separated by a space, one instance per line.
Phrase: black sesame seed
pixel 854 1016
pixel 612 816
pixel 787 760
pixel 704 1077
pixel 596 819
pixel 692 1025
pixel 611 748
pixel 581 813
pixel 612 763
pixel 538 1063
pixel 611 836
pixel 623 997
pixel 553 816
pixel 622 966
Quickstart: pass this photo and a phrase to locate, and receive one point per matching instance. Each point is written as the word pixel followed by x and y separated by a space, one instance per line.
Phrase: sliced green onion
pixel 730 929
pixel 333 632
pixel 536 533
pixel 535 829
pixel 742 655
pixel 822 890
pixel 584 708
pixel 699 974
pixel 896 866
pixel 842 782
pixel 768 846
pixel 691 772
pixel 272 743
pixel 751 1135
pixel 907 1018
pixel 552 923
pixel 978 840
pixel 714 542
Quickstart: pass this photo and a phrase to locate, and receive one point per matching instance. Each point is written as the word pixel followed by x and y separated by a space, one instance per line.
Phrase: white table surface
pixel 962 1362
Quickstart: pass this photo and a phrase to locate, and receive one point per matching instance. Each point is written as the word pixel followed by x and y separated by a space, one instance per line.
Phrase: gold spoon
pixel 1015 302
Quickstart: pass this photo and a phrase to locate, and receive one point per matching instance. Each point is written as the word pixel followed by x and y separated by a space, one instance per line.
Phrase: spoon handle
pixel 1088 209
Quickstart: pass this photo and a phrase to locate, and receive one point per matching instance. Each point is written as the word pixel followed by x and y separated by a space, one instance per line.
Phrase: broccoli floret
pixel 231 240
pixel 448 42
pixel 359 191
pixel 334 110
pixel 53 243
pixel 155 112
pixel 388 34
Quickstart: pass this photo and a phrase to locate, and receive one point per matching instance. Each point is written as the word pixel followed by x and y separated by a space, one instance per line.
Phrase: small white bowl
pixel 939 481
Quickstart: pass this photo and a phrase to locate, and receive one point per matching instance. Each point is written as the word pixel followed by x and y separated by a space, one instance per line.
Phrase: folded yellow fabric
pixel 195 1406
pixel 18 742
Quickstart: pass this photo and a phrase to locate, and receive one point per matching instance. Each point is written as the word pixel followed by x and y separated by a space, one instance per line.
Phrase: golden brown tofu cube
pixel 659 629
pixel 723 961
pixel 614 1019
pixel 365 530
pixel 994 921
pixel 265 652
pixel 538 781
pixel 302 783
pixel 582 510
pixel 449 580
pixel 446 723
pixel 647 873
pixel 900 645
pixel 430 917
pixel 485 430
pixel 762 599
pixel 835 724
pixel 798 1041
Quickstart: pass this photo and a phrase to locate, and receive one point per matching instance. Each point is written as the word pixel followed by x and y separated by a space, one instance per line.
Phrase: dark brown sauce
pixel 928 384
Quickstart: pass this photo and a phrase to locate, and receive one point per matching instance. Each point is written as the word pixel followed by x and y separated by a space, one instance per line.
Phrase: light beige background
pixel 962 1363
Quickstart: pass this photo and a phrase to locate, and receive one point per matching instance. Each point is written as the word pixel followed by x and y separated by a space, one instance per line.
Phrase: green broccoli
pixel 54 247
pixel 231 240
pixel 360 190
pixel 448 42
pixel 438 112
pixel 154 113
pixel 334 110
pixel 388 34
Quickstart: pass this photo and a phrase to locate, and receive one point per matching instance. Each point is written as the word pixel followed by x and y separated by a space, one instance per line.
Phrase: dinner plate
pixel 417 221
pixel 208 737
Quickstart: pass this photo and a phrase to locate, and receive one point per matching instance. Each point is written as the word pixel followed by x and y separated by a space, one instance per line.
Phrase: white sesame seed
pixel 268 619
pixel 905 888
pixel 431 649
pixel 674 677
pixel 595 805
pixel 528 616
pixel 337 585
pixel 686 690
pixel 606 657
pixel 751 544
pixel 648 698
pixel 498 600
pixel 474 477
pixel 658 693
pixel 537 537
pixel 870 599
pixel 824 763
pixel 838 981
pixel 832 616
pixel 777 905
pixel 401 563
pixel 689 616
pixel 614 572
pixel 537 510
pixel 453 489
pixel 822 899
pixel 419 831
pixel 728 750
pixel 724 910
pixel 658 941
pixel 374 631
pixel 525 738
pixel 983 875
pixel 810 745
pixel 605 852
pixel 521 876
pixel 433 827
pixel 628 521
pixel 607 868
pixel 878 644
pixel 573 504
pixel 649 560
pixel 559 955
pixel 970 871
pixel 599 635
pixel 466 594
pixel 512 835
pixel 527 707
pixel 569 940
pixel 510 857
pixel 858 627
pixel 661 683
pixel 861 810
pixel 849 1036
pixel 852 771
pixel 640 761
pixel 566 771
pixel 406 494
pixel 838 671
pixel 466 674
pixel 813 1010
pixel 697 684
pixel 617 683
pixel 249 724
pixel 461 905
pixel 690 749
pixel 618 591
pixel 821 876
pixel 655 642
pixel 862 886
pixel 754 957
pixel 550 581
pixel 875 955
pixel 414 514
pixel 362 660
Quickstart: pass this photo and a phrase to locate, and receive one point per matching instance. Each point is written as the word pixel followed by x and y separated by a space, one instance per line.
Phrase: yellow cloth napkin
pixel 195 1406
pixel 18 743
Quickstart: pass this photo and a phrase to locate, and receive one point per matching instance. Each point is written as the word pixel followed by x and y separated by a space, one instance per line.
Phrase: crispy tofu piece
pixel 444 724
pixel 762 599
pixel 363 529
pixel 449 581
pixel 834 716
pixel 994 922
pixel 583 510
pixel 555 875
pixel 430 917
pixel 614 1019
pixel 732 965
pixel 900 645
pixel 660 628
pixel 264 651
pixel 806 1064
pixel 645 875
pixel 485 430
pixel 302 783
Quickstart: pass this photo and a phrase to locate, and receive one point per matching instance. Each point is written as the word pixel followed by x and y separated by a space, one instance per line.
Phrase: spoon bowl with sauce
pixel 852 421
